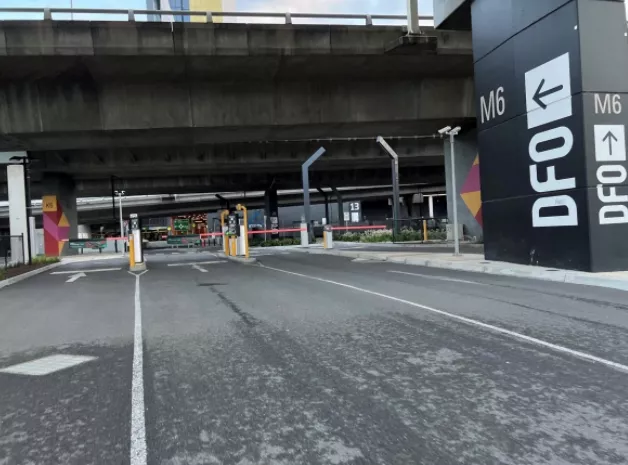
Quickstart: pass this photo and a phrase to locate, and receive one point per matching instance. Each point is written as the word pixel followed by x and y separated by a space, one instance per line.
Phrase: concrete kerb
pixel 29 274
pixel 562 276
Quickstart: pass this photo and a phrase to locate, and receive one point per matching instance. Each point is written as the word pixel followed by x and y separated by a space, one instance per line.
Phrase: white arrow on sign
pixel 76 277
pixel 548 92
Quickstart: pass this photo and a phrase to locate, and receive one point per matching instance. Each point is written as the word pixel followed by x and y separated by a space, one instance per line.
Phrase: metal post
pixel 395 181
pixel 413 17
pixel 326 198
pixel 306 187
pixel 29 207
pixel 454 193
pixel 121 221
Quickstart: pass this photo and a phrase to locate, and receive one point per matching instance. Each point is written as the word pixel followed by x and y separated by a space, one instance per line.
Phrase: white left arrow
pixel 75 277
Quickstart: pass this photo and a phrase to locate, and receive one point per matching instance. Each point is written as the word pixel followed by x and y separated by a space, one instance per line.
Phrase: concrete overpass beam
pixel 60 218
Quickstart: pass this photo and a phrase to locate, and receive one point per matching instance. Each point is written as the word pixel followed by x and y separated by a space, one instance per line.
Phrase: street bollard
pixel 424 230
pixel 328 237
pixel 305 239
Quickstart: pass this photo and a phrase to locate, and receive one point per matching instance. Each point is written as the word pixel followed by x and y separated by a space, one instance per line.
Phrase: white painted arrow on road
pixel 199 268
pixel 76 277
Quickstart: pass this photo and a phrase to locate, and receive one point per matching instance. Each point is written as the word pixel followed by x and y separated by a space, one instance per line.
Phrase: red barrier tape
pixel 357 228
pixel 277 231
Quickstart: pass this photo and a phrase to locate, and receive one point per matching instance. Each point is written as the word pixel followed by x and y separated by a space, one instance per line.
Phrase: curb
pixel 243 260
pixel 23 276
pixel 561 276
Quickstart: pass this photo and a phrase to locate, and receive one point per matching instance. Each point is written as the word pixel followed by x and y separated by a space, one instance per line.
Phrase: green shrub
pixel 43 260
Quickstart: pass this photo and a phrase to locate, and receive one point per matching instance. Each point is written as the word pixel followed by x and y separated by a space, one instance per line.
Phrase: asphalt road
pixel 311 359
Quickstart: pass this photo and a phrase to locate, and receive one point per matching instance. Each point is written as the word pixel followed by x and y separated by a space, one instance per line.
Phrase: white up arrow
pixel 75 277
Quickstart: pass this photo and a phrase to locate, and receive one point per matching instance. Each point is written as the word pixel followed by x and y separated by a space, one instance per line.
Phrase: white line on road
pixel 138 421
pixel 497 329
pixel 76 277
pixel 86 271
pixel 212 262
pixel 199 268
pixel 440 278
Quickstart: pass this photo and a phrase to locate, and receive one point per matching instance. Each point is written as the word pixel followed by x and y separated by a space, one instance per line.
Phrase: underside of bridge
pixel 155 108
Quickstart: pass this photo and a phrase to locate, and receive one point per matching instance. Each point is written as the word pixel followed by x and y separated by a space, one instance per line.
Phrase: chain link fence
pixel 11 251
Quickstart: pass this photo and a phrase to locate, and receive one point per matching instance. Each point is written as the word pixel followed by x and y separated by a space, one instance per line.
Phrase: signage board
pixel 551 136
pixel 191 239
pixel 95 244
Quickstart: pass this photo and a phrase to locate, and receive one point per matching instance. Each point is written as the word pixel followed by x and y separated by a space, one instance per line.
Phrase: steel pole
pixel 413 17
pixel 121 221
pixel 395 181
pixel 27 194
pixel 454 194
pixel 305 173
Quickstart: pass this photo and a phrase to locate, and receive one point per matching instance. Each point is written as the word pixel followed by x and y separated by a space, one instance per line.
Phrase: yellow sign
pixel 49 203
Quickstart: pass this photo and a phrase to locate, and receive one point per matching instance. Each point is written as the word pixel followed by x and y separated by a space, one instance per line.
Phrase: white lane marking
pixel 497 329
pixel 199 268
pixel 439 278
pixel 46 365
pixel 138 421
pixel 86 271
pixel 76 277
pixel 192 264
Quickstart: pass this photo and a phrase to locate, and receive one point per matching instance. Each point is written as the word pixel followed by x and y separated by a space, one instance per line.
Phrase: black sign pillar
pixel 552 107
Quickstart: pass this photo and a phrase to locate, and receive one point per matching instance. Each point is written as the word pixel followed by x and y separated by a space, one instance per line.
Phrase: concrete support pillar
pixel 271 209
pixel 341 212
pixel 468 184
pixel 430 203
pixel 60 214
pixel 18 222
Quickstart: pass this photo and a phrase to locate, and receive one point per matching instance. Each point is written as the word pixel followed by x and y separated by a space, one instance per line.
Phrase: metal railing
pixel 210 15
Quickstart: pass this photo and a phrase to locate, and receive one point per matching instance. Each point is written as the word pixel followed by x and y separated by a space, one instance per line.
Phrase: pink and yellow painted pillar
pixel 59 214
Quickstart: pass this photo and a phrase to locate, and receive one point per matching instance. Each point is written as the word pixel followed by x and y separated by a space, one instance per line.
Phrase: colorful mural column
pixel 59 213
pixel 470 191
pixel 56 226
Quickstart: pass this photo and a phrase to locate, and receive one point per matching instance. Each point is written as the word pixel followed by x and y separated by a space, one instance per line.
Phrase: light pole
pixel 121 194
pixel 454 191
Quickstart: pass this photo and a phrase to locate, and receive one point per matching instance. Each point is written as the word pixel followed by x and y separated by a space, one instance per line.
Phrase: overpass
pixel 101 210
pixel 159 108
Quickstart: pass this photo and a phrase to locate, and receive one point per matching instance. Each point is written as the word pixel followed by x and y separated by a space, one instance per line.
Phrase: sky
pixel 304 6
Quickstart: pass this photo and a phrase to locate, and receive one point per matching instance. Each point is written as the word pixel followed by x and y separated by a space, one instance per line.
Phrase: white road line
pixel 199 268
pixel 439 278
pixel 138 421
pixel 86 271
pixel 192 264
pixel 497 329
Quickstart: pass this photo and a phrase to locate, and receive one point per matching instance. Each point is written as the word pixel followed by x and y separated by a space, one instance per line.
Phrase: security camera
pixel 445 130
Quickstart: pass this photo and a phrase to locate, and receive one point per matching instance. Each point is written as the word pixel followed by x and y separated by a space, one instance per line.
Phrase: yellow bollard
pixel 233 245
pixel 325 239
pixel 131 252
pixel 424 230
